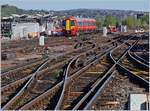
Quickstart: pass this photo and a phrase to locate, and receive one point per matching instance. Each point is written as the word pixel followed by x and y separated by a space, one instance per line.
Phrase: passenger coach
pixel 73 26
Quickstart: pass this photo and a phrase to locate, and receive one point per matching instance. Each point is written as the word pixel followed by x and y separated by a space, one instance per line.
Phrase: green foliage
pixel 132 23
pixel 110 20
pixel 146 19
pixel 7 10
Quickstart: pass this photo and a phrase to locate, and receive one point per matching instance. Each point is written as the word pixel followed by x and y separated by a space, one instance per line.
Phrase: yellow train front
pixel 73 26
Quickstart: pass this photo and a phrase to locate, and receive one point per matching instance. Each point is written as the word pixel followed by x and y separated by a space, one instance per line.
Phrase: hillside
pixel 7 10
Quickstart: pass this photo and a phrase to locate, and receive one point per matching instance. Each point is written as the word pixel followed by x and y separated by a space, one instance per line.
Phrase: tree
pixel 146 18
pixel 145 21
pixel 110 20
pixel 130 22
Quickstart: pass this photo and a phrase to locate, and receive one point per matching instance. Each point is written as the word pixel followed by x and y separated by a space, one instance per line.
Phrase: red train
pixel 73 26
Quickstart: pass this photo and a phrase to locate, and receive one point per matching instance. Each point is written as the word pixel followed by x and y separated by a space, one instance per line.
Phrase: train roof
pixel 80 19
pixel 84 19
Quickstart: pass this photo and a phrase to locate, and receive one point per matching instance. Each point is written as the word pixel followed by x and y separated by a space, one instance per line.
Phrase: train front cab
pixel 70 28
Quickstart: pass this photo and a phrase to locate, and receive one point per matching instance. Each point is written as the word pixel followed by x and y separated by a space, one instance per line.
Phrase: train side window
pixel 64 23
pixel 81 23
pixel 72 23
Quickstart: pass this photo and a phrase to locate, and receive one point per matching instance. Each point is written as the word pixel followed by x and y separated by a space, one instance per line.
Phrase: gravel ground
pixel 116 94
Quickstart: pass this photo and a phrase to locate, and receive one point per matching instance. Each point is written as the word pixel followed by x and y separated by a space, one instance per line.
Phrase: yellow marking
pixel 67 25
pixel 27 71
pixel 112 103
pixel 140 73
pixel 94 72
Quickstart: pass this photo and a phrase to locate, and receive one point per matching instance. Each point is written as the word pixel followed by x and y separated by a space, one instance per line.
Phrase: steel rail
pixel 68 78
pixel 141 59
pixel 28 105
pixel 106 79
pixel 65 84
pixel 18 82
pixel 99 81
pixel 138 61
pixel 21 67
pixel 41 68
pixel 102 81
pixel 25 86
pixel 130 74
pixel 40 95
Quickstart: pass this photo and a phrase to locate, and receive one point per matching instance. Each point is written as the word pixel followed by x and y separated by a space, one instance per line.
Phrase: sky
pixel 137 5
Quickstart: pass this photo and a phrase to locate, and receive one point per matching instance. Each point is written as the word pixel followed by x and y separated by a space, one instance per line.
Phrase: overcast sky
pixel 138 5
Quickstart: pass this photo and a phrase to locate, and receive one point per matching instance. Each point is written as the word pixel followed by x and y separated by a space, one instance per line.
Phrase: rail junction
pixel 93 75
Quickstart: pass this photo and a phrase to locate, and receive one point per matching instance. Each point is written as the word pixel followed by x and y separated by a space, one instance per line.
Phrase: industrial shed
pixel 21 30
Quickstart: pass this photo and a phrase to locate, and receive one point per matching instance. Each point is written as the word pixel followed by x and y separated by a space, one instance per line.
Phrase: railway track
pixel 141 47
pixel 18 45
pixel 90 95
pixel 12 75
pixel 62 61
pixel 13 80
pixel 20 72
pixel 140 58
pixel 115 95
pixel 135 66
pixel 78 86
pixel 107 94
pixel 31 104
pixel 14 86
pixel 16 82
pixel 46 98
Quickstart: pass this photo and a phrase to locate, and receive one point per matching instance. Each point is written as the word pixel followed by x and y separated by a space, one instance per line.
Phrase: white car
pixel 139 31
pixel 136 31
pixel 142 30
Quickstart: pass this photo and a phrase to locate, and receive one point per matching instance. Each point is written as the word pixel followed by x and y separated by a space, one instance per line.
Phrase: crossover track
pixel 15 85
pixel 93 79
pixel 104 95
pixel 40 75
pixel 31 104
